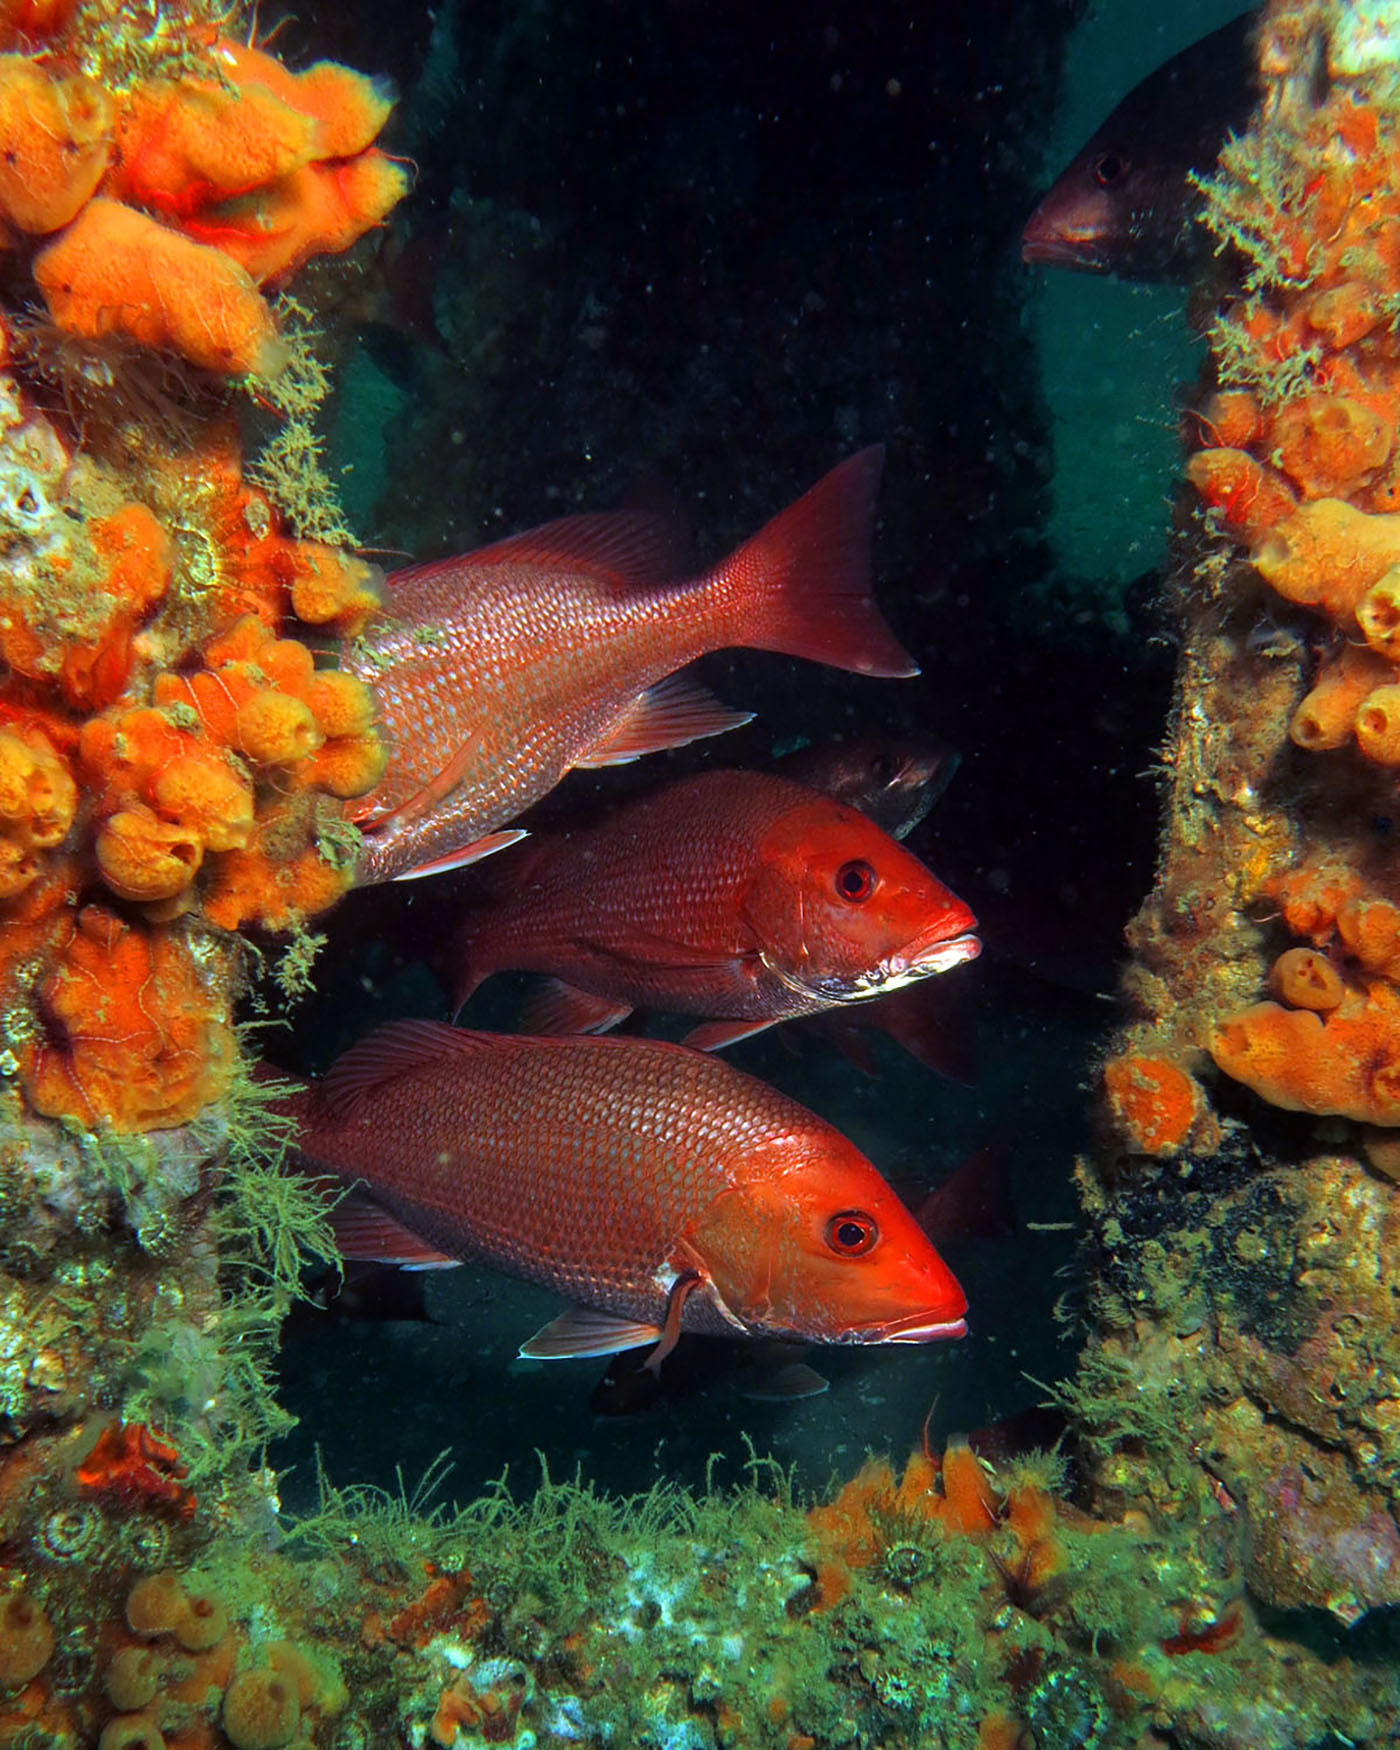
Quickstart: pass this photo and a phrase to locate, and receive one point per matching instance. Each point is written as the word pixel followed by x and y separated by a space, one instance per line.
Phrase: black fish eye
pixel 855 881
pixel 852 1233
pixel 1110 167
pixel 882 766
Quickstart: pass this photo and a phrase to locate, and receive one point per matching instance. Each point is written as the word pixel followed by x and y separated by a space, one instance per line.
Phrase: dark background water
pixel 694 255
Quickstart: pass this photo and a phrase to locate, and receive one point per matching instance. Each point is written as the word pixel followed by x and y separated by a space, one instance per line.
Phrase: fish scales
pixel 499 671
pixel 653 1138
pixel 719 895
pixel 654 1187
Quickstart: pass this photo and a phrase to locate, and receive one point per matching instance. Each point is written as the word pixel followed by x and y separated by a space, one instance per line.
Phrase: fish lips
pixel 921 958
pixel 920 1327
pixel 928 954
pixel 1055 246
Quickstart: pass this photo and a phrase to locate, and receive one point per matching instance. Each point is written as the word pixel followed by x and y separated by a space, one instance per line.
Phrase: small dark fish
pixel 1125 203
pixel 362 1293
pixel 763 1372
pixel 895 783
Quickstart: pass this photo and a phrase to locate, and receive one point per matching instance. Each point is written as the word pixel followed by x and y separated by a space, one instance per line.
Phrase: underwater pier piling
pixel 1244 1206
pixel 173 770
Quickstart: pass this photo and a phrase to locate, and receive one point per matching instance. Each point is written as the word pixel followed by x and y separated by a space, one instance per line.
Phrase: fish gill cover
pixel 229 340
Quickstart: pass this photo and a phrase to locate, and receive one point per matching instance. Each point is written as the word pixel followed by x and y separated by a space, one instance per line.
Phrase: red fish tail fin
pixel 801 585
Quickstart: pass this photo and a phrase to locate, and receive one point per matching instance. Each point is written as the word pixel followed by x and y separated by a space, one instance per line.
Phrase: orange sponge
pixel 1250 497
pixel 115 270
pixel 38 799
pixel 1327 554
pixel 349 108
pixel 319 209
pixel 134 1032
pixel 186 143
pixel 1329 444
pixel 1153 1102
pixel 55 144
pixel 1348 1065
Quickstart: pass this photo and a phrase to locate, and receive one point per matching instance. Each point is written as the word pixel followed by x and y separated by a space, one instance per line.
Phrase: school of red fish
pixel 656 1188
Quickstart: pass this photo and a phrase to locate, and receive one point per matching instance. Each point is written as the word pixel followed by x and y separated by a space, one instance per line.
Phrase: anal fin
pixel 366 1232
pixel 583 1330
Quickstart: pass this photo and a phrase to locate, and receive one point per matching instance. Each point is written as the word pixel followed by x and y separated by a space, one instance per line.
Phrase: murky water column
pixel 1243 1379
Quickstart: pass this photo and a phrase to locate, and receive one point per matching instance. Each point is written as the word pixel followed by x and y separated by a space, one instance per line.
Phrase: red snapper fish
pixel 502 670
pixel 657 1188
pixel 740 896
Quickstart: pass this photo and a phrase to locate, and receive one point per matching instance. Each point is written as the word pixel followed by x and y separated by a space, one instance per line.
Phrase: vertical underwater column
pixel 174 764
pixel 1244 1372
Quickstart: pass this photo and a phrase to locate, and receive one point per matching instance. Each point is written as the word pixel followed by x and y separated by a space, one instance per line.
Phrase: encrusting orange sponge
pixel 117 271
pixel 1153 1102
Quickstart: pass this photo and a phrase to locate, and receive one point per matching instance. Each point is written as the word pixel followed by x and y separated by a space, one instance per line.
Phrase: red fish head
pixel 841 911
pixel 812 1243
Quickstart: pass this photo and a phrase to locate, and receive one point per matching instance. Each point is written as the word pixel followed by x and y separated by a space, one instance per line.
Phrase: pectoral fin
pixel 669 714
pixel 714 1035
pixel 560 1008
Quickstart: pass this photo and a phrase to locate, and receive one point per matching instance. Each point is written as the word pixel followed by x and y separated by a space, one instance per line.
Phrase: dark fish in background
pixel 894 783
pixel 1125 203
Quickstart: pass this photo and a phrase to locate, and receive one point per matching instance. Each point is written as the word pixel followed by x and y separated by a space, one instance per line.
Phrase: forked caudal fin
pixel 801 585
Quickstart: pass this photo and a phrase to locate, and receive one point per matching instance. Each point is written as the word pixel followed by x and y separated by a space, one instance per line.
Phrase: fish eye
pixel 852 1233
pixel 882 766
pixel 1110 167
pixel 855 881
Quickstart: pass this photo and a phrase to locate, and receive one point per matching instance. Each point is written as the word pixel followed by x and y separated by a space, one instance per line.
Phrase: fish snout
pixel 1048 241
pixel 933 950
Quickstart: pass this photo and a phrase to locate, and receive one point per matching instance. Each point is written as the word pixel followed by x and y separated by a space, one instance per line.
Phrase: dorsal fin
pixel 395 1049
pixel 631 548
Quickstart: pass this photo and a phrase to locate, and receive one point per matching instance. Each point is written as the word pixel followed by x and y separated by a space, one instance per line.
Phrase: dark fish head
pixel 1127 203
pixel 893 782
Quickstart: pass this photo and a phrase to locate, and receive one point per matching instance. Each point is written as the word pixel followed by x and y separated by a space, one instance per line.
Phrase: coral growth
pixel 173 761
pixel 1240 1380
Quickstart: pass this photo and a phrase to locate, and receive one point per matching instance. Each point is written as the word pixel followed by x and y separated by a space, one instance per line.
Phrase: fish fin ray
pixel 425 799
pixel 557 1007
pixel 395 1049
pixel 670 714
pixel 486 846
pixel 366 1232
pixel 784 1384
pixel 715 1035
pixel 584 1330
pixel 627 548
pixel 805 577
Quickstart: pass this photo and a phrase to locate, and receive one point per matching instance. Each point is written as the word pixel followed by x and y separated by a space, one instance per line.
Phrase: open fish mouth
pixel 919 959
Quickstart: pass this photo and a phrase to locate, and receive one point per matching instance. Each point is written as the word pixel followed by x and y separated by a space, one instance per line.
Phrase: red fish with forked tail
pixel 739 896
pixel 502 670
pixel 655 1187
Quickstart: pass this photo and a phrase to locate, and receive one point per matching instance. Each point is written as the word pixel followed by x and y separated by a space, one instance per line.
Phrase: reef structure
pixel 176 747
pixel 173 759
pixel 1246 1222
